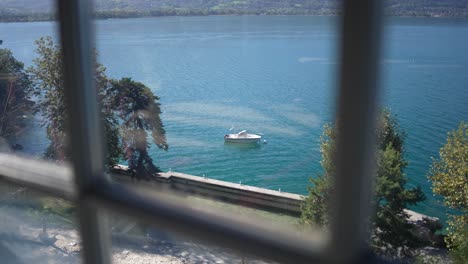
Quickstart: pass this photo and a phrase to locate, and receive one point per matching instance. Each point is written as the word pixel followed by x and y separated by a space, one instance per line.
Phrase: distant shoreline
pixel 104 15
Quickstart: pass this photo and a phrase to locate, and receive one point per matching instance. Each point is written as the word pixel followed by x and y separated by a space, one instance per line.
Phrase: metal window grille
pixel 93 192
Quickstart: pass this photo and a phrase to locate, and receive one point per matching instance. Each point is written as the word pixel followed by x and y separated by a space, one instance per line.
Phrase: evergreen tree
pixel 315 208
pixel 47 75
pixel 14 100
pixel 449 176
pixel 139 112
pixel 390 194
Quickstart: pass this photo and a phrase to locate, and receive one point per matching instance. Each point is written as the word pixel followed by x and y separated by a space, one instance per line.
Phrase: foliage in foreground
pixel 14 99
pixel 139 111
pixel 49 89
pixel 449 176
pixel 128 110
pixel 390 195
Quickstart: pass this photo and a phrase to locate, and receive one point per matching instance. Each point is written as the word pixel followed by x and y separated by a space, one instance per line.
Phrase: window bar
pixel 84 122
pixel 360 45
pixel 47 177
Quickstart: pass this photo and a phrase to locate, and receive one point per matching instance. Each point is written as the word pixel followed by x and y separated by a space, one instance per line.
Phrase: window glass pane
pixel 34 226
pixel 215 76
pixel 426 88
pixel 37 228
pixel 33 113
pixel 424 76
pixel 271 76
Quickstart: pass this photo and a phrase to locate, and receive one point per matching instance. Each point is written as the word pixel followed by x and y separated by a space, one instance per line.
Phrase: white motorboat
pixel 242 137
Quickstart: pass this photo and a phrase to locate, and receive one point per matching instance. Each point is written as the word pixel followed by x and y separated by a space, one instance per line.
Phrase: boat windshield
pixel 243 132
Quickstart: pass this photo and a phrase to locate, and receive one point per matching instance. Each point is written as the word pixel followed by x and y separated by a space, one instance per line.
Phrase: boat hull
pixel 242 140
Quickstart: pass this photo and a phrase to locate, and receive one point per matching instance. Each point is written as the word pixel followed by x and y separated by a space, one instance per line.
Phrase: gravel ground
pixel 22 240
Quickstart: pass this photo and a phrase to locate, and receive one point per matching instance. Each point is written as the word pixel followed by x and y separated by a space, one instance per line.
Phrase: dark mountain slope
pixel 130 8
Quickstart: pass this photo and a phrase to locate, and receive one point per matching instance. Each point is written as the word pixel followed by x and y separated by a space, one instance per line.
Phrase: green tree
pixel 315 208
pixel 14 98
pixel 47 76
pixel 139 112
pixel 449 176
pixel 390 194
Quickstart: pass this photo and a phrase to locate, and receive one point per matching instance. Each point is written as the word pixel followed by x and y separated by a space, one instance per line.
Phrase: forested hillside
pixel 26 10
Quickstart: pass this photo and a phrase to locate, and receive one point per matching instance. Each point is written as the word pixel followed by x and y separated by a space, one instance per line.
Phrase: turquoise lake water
pixel 273 75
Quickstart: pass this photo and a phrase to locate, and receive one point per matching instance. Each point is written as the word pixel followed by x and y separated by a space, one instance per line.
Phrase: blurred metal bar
pixel 84 121
pixel 48 177
pixel 360 46
pixel 168 212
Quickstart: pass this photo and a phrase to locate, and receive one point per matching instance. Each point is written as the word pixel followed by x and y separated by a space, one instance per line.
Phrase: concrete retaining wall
pixel 276 201
pixel 237 193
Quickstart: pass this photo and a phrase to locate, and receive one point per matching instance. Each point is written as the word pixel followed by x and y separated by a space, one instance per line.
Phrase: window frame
pixel 93 192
